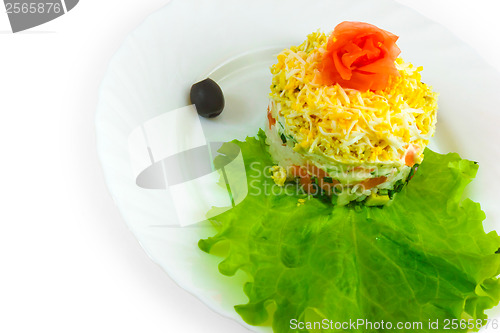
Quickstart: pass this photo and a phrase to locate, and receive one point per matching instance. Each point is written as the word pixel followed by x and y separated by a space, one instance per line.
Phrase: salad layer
pixel 348 125
pixel 373 184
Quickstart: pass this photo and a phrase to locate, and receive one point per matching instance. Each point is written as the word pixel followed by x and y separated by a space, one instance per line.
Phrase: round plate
pixel 235 43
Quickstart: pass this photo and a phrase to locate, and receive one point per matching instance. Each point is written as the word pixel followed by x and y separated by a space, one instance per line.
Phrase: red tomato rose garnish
pixel 359 56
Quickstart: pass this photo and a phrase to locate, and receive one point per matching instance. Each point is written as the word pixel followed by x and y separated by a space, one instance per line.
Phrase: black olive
pixel 208 98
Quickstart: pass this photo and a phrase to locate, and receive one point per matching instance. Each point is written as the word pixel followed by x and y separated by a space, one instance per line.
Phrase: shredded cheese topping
pixel 347 125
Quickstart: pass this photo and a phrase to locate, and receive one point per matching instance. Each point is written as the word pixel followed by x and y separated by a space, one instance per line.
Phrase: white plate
pixel 236 42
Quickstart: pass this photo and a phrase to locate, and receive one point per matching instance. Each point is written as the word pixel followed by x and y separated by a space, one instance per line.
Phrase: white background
pixel 67 261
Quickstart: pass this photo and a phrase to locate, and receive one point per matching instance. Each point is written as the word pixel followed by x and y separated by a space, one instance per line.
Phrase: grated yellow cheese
pixel 278 174
pixel 347 125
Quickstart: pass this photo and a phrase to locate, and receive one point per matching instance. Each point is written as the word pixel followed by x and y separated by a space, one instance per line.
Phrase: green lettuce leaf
pixel 425 257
